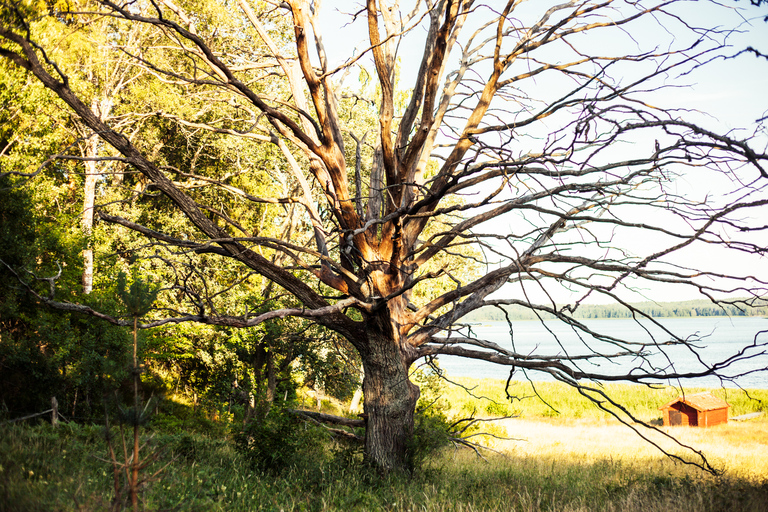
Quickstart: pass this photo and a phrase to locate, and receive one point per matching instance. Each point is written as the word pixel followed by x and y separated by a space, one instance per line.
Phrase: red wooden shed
pixel 697 410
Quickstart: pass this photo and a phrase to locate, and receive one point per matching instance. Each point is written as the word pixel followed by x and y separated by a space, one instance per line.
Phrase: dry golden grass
pixel 739 449
pixel 574 429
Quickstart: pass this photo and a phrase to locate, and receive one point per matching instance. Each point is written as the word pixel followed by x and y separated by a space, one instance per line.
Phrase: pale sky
pixel 722 96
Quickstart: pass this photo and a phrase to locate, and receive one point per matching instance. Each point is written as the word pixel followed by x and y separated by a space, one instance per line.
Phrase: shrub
pixel 431 433
pixel 432 426
pixel 497 409
pixel 173 417
pixel 281 440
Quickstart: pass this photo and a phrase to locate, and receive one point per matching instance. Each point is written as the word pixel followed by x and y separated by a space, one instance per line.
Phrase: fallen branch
pixel 329 418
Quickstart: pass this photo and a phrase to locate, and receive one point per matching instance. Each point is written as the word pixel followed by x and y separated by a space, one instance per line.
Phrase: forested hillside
pixel 682 309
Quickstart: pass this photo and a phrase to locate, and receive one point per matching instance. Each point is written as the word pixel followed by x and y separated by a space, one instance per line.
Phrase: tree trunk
pixel 390 401
pixel 103 108
pixel 271 379
pixel 89 199
pixel 134 483
pixel 355 404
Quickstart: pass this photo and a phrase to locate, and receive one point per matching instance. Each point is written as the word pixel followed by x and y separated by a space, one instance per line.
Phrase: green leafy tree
pixel 84 168
pixel 45 353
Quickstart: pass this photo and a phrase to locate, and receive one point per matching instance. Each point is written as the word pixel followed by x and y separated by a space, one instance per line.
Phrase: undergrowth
pixel 281 463
pixel 46 469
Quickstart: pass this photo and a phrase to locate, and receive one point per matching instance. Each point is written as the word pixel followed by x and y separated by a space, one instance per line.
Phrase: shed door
pixel 675 418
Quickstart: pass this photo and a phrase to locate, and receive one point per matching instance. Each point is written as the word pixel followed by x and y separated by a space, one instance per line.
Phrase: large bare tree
pixel 532 153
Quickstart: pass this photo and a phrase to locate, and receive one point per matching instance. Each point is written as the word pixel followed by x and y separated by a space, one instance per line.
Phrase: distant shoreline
pixel 679 309
pixel 688 388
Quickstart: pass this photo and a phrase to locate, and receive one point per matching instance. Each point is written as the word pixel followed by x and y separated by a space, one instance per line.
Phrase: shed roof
pixel 699 401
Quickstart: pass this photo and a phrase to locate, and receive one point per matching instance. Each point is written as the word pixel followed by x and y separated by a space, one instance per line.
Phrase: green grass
pixel 566 403
pixel 43 469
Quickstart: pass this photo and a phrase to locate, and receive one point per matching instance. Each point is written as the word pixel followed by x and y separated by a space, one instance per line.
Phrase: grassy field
pixel 486 397
pixel 583 462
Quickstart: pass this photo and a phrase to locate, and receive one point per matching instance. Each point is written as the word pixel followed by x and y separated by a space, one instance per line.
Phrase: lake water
pixel 718 338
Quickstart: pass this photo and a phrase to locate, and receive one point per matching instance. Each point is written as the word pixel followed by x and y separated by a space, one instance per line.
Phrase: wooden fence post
pixel 55 412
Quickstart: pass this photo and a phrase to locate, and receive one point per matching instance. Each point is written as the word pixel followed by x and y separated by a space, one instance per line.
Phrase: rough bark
pixel 133 486
pixel 390 400
pixel 271 378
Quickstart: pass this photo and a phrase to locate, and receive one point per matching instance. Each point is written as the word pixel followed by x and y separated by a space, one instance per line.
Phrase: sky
pixel 721 96
pixel 732 92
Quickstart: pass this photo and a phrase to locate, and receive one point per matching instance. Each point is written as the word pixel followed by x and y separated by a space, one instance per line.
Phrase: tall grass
pixel 42 469
pixel 571 460
pixel 487 397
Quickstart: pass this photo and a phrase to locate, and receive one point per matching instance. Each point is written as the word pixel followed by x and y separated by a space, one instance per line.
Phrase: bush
pixel 432 426
pixel 497 409
pixel 431 433
pixel 281 440
pixel 197 448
